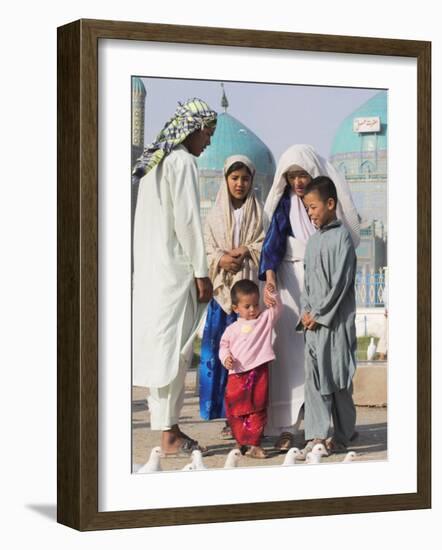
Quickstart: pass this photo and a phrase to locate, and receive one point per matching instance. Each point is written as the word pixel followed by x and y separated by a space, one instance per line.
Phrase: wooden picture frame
pixel 77 224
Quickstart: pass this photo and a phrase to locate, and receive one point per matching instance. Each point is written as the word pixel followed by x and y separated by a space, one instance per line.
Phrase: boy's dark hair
pixel 244 287
pixel 325 188
pixel 237 166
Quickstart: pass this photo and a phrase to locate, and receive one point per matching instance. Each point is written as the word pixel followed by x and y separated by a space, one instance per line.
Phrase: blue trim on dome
pixel 233 138
pixel 138 86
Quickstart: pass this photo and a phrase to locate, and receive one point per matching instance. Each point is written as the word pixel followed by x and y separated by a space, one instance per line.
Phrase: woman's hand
pixel 240 253
pixel 269 295
pixel 229 263
pixel 204 289
pixel 271 278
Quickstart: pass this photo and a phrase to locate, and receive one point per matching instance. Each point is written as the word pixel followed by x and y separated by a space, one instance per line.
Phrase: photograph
pixel 221 253
pixel 259 274
pixel 231 284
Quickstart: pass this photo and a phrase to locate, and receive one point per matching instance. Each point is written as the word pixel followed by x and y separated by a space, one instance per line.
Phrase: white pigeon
pixel 316 454
pixel 197 460
pixel 291 456
pixel 188 467
pixel 312 459
pixel 350 456
pixel 232 458
pixel 153 464
pixel 371 350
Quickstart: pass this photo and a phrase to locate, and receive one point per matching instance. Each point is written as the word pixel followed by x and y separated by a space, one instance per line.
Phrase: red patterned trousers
pixel 246 400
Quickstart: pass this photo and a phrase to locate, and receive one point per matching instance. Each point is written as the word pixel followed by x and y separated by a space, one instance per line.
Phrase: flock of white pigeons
pixel 293 454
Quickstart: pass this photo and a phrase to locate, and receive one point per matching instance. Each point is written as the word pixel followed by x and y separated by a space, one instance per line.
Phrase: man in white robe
pixel 170 284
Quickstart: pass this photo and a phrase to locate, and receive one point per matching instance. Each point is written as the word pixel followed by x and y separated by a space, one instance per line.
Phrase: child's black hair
pixel 238 165
pixel 324 186
pixel 244 287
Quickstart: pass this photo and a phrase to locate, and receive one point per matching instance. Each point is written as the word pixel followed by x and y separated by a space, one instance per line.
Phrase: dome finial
pixel 224 101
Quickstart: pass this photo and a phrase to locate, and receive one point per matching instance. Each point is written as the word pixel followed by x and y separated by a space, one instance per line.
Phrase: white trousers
pixel 165 403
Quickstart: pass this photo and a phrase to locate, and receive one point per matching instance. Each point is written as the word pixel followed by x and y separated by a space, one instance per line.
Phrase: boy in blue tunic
pixel 328 320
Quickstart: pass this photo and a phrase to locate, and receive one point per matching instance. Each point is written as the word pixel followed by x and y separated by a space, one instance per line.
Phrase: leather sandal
pixel 284 442
pixel 309 447
pixel 256 452
pixel 185 449
pixel 335 447
pixel 226 432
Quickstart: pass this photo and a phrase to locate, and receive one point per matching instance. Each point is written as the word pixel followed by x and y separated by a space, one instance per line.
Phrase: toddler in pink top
pixel 245 350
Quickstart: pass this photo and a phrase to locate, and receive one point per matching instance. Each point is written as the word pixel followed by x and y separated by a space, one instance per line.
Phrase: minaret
pixel 224 101
pixel 138 102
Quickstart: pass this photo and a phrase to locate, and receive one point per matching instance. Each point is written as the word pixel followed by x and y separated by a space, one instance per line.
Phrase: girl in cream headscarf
pixel 288 228
pixel 233 238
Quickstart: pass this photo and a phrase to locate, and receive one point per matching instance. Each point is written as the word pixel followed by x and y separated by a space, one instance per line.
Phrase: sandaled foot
pixel 256 452
pixel 226 433
pixel 191 441
pixel 183 449
pixel 335 447
pixel 284 442
pixel 242 448
pixel 309 447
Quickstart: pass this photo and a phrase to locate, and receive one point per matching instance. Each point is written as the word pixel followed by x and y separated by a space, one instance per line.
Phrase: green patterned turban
pixel 193 115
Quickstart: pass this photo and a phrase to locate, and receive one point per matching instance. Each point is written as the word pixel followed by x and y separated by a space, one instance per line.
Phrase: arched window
pixel 343 169
pixel 366 169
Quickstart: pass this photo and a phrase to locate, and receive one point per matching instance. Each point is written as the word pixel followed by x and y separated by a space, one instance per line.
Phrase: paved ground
pixel 371 425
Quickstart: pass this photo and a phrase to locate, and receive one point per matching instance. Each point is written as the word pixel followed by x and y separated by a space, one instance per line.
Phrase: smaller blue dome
pixel 231 137
pixel 348 141
pixel 138 87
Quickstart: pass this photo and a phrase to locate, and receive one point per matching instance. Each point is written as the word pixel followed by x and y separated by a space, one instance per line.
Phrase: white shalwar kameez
pixel 168 255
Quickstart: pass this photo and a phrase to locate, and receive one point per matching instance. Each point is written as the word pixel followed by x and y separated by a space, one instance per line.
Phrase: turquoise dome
pixel 233 138
pixel 347 141
pixel 138 86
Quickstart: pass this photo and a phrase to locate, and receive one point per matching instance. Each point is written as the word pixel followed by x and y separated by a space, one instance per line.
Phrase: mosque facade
pixel 359 151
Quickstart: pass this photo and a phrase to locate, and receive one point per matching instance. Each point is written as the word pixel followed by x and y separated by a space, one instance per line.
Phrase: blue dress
pixel 275 242
pixel 212 374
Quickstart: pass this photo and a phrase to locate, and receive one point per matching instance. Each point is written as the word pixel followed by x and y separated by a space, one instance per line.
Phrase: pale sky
pixel 279 114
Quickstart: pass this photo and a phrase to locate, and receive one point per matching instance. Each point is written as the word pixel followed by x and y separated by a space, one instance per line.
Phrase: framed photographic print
pixel 364 106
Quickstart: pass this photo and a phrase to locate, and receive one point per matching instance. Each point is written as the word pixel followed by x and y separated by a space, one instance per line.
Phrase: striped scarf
pixel 193 115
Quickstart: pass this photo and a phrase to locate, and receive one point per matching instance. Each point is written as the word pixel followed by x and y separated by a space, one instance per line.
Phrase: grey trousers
pixel 320 409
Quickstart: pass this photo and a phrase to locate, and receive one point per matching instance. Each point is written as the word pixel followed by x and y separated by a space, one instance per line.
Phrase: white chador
pixel 286 395
pixel 168 255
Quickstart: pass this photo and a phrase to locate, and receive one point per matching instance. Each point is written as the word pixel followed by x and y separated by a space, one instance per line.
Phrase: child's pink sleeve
pixel 224 345
pixel 275 311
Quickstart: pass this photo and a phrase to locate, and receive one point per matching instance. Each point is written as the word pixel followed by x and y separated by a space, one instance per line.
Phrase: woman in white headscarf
pixel 288 228
pixel 233 238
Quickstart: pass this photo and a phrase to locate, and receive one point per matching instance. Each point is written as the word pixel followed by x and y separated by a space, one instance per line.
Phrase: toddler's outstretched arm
pixel 272 301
